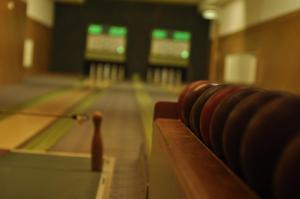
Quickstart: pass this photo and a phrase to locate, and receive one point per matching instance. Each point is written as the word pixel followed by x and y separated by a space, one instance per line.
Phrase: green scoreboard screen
pixel 106 42
pixel 170 47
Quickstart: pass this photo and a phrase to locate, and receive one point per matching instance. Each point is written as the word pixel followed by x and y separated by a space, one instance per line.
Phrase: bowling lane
pixel 160 94
pixel 123 133
pixel 123 136
pixel 32 91
pixel 121 123
pixel 16 129
pixel 25 91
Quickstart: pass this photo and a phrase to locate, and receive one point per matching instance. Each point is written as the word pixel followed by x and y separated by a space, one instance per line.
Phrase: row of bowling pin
pixel 106 72
pixel 165 76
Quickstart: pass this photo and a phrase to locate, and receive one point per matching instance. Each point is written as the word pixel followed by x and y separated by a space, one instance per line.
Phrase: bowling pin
pixel 157 76
pixel 92 75
pixel 121 74
pixel 99 73
pixel 164 76
pixel 114 72
pixel 106 72
pixel 149 74
pixel 171 77
pixel 117 72
pixel 97 146
pixel 178 78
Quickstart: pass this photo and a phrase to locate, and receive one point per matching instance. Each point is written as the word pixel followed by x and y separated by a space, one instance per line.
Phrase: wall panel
pixel 42 36
pixel 12 30
pixel 276 45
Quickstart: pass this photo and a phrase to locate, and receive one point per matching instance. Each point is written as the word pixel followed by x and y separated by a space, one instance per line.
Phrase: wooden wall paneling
pixel 277 48
pixel 42 36
pixel 12 27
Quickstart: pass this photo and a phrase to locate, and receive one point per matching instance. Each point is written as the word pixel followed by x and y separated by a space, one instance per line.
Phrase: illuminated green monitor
pixel 95 29
pixel 170 47
pixel 118 31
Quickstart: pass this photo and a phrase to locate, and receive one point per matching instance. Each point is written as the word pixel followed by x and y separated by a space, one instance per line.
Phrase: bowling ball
pixel 220 116
pixel 210 107
pixel 190 99
pixel 287 174
pixel 237 122
pixel 266 136
pixel 198 105
pixel 184 92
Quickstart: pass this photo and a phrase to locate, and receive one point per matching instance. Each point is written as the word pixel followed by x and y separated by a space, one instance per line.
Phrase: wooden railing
pixel 181 166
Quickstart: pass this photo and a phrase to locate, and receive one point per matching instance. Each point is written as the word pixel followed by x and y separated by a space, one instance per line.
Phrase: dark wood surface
pixel 166 110
pixel 198 172
pixel 3 152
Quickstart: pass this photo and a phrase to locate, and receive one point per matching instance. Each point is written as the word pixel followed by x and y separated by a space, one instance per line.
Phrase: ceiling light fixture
pixel 10 5
pixel 210 14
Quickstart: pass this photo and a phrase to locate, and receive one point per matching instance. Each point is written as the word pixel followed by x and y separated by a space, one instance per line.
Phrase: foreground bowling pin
pixel 97 147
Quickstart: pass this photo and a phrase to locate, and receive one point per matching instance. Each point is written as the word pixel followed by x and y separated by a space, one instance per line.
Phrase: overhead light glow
pixel 117 31
pixel 182 36
pixel 210 14
pixel 185 54
pixel 10 5
pixel 120 50
pixel 159 34
pixel 95 29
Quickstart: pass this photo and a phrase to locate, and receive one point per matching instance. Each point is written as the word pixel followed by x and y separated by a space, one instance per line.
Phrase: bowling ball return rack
pixel 182 167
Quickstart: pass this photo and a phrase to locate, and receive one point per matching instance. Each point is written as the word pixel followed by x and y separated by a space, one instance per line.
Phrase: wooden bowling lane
pixel 16 129
pixel 123 138
pixel 124 108
pixel 159 94
pixel 147 95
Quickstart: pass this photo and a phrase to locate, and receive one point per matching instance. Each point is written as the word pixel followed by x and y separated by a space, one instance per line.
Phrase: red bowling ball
pixel 190 99
pixel 266 136
pixel 210 107
pixel 220 116
pixel 185 91
pixel 287 174
pixel 237 122
pixel 197 108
